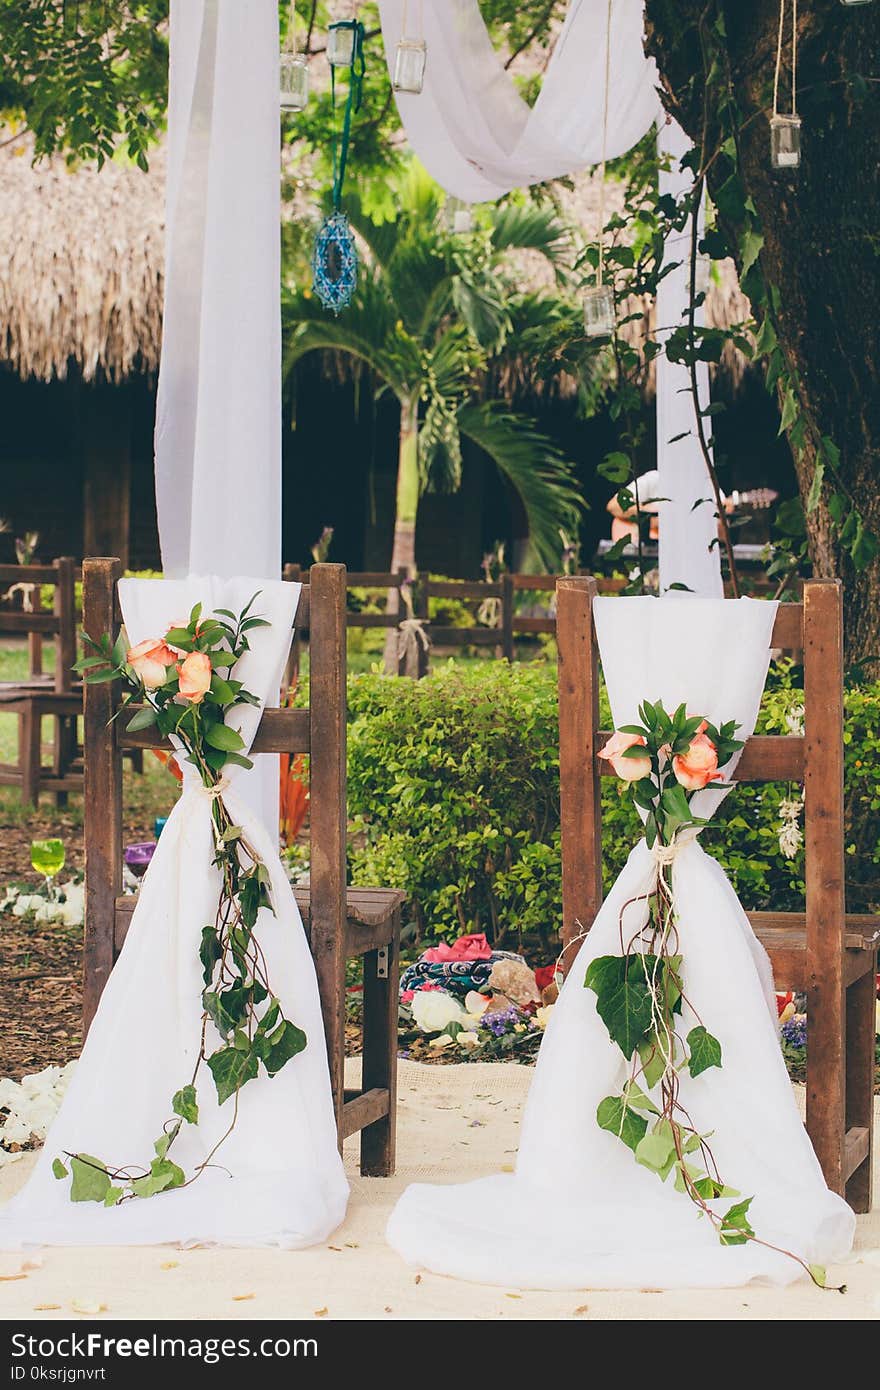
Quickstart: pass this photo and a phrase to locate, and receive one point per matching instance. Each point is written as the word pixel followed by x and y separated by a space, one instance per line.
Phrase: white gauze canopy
pixel 579 1212
pixel 278 1178
pixel 479 139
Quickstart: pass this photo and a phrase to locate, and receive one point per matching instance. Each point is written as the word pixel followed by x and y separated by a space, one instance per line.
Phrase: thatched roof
pixel 81 266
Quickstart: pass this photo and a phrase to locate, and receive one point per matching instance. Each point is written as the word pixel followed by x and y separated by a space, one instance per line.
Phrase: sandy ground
pixel 456 1122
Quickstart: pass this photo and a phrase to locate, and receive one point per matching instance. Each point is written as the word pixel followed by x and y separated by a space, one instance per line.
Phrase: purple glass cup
pixel 137 857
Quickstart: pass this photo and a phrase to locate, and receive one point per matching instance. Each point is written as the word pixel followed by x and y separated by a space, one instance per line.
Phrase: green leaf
pixel 618 1118
pixel 112 1196
pixel 210 952
pixel 58 1168
pixel 750 248
pixel 222 737
pixel 144 719
pixel 653 1065
pixel 705 1050
pixel 179 637
pixel 626 1008
pixel 279 1047
pixel 231 1069
pixel 637 1099
pixel 185 1105
pixel 90 1179
pixel 654 1150
pixel 163 1175
pixel 816 486
pixel 226 1008
pixel 818 1275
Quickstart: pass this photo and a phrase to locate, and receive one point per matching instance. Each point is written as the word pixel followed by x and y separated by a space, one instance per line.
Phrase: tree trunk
pixel 403 550
pixel 819 224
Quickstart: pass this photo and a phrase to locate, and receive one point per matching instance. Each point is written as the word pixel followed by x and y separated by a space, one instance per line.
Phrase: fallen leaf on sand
pixel 46 1307
pixel 242 1297
pixel 418 1278
pixel 11 1278
pixel 507 1168
pixel 90 1308
pixel 513 1295
pixel 352 1245
pixel 170 1264
pixel 321 1312
pixel 581 1311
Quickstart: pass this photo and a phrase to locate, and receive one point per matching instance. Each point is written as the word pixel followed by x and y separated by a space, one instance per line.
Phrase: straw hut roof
pixel 81 266
pixel 82 256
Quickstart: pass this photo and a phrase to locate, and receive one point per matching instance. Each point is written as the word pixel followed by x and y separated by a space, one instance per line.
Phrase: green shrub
pixel 454 795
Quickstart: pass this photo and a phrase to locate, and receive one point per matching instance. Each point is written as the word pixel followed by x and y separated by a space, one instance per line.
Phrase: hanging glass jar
pixel 409 66
pixel 294 82
pixel 599 311
pixel 340 43
pixel 458 216
pixel 785 142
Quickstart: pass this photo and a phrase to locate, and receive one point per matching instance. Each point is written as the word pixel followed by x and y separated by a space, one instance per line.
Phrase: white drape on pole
pixel 688 524
pixel 218 415
pixel 478 138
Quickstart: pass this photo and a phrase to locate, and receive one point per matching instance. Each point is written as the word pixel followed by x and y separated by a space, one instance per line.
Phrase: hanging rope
pixel 778 71
pixel 404 24
pixel 290 37
pixel 601 267
pixel 352 105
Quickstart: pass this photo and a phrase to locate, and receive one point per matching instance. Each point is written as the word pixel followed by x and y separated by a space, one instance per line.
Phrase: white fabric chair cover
pixel 579 1212
pixel 279 1178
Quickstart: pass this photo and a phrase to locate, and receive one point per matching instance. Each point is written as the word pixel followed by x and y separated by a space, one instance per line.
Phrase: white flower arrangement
pixel 791 837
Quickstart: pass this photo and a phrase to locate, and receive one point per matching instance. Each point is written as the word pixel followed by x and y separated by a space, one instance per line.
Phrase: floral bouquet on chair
pixel 640 993
pixel 184 685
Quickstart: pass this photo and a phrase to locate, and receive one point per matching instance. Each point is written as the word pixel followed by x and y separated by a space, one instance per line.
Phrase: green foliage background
pixel 454 797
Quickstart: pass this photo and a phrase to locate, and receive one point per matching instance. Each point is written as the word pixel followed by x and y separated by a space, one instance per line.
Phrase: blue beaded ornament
pixel 335 263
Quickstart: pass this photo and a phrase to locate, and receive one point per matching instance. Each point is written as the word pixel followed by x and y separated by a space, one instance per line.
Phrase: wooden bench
pixel 57 696
pixel 827 953
pixel 341 923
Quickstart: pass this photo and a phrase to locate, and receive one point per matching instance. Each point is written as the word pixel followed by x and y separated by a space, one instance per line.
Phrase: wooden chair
pixel 826 952
pixel 38 696
pixel 341 924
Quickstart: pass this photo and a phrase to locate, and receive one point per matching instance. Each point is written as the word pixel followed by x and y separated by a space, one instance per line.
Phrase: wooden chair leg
pixel 860 1033
pixel 30 752
pixel 381 994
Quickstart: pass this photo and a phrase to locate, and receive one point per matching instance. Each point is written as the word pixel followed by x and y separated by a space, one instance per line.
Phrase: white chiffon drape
pixel 278 1178
pixel 579 1211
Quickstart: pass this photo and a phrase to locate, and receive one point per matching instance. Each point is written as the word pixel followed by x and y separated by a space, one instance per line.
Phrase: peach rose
pixel 629 769
pixel 195 676
pixel 697 767
pixel 150 660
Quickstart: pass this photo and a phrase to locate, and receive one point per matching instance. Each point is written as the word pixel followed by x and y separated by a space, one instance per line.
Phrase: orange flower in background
pixel 195 676
pixel 628 769
pixel 294 801
pixel 697 767
pixel 150 660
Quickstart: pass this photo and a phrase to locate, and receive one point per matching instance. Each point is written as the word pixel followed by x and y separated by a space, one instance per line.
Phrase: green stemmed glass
pixel 47 858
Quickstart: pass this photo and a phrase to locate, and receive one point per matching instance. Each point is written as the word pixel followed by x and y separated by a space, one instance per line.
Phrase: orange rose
pixel 629 769
pixel 697 767
pixel 195 676
pixel 150 660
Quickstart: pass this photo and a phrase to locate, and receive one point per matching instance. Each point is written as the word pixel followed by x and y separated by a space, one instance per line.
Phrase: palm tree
pixel 430 311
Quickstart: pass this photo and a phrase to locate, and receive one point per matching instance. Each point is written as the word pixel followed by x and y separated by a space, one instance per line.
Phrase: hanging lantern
pixel 294 82
pixel 340 43
pixel 458 216
pixel 785 142
pixel 599 311
pixel 855 2
pixel 409 66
